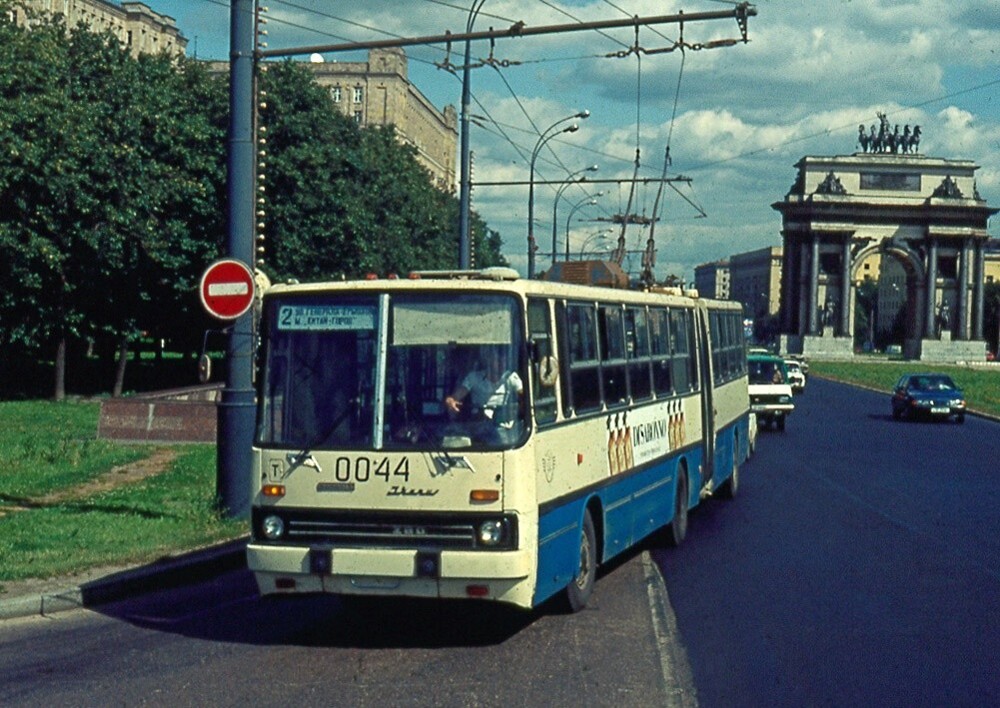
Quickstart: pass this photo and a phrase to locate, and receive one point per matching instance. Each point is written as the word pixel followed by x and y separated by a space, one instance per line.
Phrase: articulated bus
pixel 379 470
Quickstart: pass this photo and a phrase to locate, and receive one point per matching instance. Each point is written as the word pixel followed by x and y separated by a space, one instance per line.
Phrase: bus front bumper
pixel 497 575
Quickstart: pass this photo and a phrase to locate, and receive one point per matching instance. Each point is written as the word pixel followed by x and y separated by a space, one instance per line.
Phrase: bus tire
pixel 580 588
pixel 677 528
pixel 729 488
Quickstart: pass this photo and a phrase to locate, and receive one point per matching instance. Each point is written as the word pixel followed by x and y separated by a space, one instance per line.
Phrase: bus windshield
pixel 405 371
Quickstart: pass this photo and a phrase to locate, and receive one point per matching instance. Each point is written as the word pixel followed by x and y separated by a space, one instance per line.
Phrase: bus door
pixel 705 377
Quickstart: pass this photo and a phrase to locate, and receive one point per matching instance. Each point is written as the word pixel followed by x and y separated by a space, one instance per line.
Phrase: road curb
pixel 169 572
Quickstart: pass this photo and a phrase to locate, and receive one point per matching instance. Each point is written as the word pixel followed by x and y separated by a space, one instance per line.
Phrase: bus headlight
pixel 273 527
pixel 491 532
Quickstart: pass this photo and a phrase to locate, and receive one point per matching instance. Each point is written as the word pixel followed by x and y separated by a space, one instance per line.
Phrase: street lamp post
pixel 589 200
pixel 465 180
pixel 594 238
pixel 546 135
pixel 555 205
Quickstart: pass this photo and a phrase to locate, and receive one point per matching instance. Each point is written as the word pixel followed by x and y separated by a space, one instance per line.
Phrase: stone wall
pixel 179 415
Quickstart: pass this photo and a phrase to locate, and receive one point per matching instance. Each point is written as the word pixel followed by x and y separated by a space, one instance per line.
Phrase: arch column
pixel 963 291
pixel 787 282
pixel 978 275
pixel 931 291
pixel 814 284
pixel 845 287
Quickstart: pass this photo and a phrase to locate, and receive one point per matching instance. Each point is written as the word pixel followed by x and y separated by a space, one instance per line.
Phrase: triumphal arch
pixel 888 200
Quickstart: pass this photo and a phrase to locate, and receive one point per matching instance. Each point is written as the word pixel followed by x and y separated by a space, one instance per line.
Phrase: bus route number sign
pixel 227 289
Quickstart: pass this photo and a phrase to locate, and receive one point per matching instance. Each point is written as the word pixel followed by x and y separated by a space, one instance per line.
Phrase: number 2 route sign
pixel 227 289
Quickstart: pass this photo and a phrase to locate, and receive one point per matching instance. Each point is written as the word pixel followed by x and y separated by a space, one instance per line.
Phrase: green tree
pixel 42 180
pixel 991 316
pixel 865 304
pixel 112 179
pixel 115 181
pixel 342 201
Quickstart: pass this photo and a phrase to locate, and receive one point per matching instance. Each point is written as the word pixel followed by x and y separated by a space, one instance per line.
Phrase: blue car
pixel 928 396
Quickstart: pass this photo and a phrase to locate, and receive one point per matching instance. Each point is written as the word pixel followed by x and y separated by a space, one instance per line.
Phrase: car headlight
pixel 273 527
pixel 491 532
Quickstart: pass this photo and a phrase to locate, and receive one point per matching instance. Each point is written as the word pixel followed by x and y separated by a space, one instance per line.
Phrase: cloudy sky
pixel 736 119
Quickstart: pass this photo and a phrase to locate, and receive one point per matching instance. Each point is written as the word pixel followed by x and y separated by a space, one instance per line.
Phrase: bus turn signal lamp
pixel 484 495
pixel 273 490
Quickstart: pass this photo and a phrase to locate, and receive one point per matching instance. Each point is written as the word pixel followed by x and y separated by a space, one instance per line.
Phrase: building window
pixel 358 94
pixel 335 94
pixel 358 117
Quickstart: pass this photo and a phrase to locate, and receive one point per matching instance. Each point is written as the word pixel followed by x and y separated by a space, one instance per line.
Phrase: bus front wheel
pixel 580 588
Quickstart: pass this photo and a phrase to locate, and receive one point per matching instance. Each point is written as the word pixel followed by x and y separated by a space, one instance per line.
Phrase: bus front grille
pixel 382 533
pixel 310 527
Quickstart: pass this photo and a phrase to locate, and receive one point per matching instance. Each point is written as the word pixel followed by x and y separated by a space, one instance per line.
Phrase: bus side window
pixel 637 349
pixel 584 369
pixel 543 390
pixel 683 361
pixel 659 340
pixel 613 355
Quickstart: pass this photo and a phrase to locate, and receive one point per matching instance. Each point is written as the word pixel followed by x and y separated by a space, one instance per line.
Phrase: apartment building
pixel 378 92
pixel 135 24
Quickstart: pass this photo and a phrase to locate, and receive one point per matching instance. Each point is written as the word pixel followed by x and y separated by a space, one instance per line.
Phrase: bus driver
pixel 494 390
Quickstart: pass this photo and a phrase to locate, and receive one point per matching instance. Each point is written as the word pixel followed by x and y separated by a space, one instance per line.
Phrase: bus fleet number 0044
pixel 359 469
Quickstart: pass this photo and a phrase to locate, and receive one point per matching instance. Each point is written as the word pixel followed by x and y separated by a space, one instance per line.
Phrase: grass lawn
pixel 981 385
pixel 70 502
pixel 67 504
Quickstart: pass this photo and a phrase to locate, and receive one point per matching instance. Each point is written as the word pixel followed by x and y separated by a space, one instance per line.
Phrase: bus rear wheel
pixel 677 528
pixel 728 489
pixel 580 588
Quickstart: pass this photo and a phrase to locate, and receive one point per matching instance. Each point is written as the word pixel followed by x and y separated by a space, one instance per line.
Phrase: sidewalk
pixel 97 587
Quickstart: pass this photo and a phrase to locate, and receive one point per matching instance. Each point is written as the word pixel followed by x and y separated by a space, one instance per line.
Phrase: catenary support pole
pixel 236 409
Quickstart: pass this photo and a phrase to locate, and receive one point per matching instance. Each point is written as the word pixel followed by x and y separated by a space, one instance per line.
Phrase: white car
pixel 796 376
pixel 770 392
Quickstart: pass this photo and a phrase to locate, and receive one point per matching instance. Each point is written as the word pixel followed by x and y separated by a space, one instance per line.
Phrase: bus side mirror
pixel 204 368
pixel 548 370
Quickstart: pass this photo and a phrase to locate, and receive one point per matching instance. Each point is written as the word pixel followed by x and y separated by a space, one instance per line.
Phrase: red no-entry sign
pixel 227 289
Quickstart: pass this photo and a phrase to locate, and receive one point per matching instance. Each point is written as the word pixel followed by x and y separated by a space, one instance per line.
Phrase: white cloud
pixel 812 72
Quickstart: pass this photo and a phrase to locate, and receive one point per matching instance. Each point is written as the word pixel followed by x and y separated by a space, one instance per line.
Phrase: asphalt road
pixel 860 565
pixel 217 643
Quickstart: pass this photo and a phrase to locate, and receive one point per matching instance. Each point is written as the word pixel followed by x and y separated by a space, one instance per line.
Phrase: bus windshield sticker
pixel 325 318
pixel 465 320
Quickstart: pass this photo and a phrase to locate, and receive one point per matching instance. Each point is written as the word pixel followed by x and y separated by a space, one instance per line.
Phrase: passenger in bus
pixel 494 391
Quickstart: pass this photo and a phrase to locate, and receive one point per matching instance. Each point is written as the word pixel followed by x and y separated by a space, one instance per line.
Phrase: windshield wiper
pixel 305 457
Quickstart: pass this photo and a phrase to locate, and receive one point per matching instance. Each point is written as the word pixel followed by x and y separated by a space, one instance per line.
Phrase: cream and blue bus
pixel 378 470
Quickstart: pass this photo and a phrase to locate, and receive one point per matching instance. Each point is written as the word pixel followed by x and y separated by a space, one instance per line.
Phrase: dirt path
pixel 129 473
